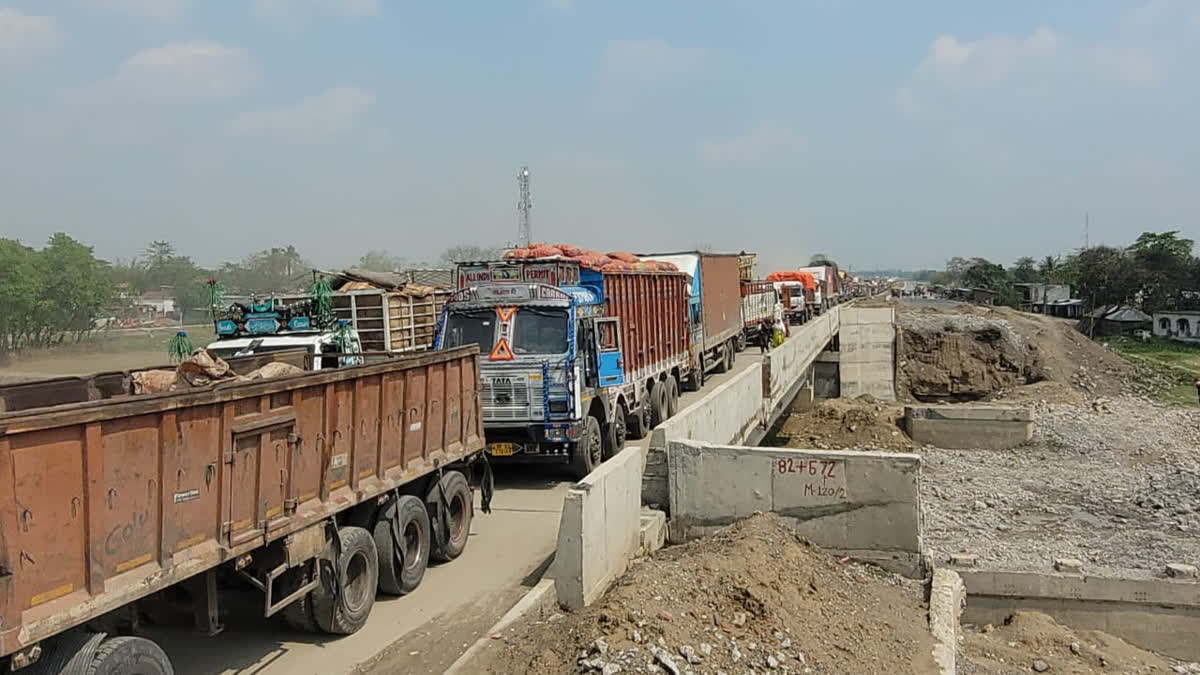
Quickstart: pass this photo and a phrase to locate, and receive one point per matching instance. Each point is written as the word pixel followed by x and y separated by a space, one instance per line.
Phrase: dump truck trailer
pixel 317 489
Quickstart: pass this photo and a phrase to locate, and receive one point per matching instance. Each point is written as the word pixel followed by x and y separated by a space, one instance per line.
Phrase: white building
pixel 1183 325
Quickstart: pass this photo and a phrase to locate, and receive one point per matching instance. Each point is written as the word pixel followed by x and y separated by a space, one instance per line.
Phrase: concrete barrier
pixel 867 340
pixel 986 427
pixel 598 530
pixel 865 505
pixel 788 368
pixel 1159 615
pixel 947 595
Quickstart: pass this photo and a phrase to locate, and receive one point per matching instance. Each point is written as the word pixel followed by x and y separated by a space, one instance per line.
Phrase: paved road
pixel 423 632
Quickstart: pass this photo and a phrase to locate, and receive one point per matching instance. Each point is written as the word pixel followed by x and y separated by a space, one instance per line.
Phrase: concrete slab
pixel 1159 615
pixel 653 533
pixel 598 532
pixel 947 595
pixel 987 427
pixel 864 505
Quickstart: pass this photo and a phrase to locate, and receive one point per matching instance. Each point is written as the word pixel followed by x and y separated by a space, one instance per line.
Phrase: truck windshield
pixel 476 327
pixel 540 331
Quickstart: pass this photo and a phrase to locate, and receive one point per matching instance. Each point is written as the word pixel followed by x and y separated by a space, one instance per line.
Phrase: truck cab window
pixel 539 330
pixel 472 327
pixel 608 335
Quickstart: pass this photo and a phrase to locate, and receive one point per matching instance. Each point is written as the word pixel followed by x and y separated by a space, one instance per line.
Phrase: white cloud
pixel 176 73
pixel 649 59
pixel 26 31
pixel 330 112
pixel 155 9
pixel 1040 64
pixel 292 13
pixel 754 148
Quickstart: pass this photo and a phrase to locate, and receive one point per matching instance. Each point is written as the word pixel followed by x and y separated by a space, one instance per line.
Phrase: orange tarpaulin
pixel 805 278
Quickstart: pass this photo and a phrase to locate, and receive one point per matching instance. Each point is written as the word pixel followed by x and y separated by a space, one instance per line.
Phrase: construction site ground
pixel 752 598
pixel 1111 477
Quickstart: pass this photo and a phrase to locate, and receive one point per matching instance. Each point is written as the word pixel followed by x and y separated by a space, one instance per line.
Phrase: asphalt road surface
pixel 425 631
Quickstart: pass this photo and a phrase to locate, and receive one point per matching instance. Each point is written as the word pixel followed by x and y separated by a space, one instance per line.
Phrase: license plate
pixel 502 449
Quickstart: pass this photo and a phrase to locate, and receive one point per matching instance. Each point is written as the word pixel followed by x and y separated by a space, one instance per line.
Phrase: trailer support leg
pixel 206 605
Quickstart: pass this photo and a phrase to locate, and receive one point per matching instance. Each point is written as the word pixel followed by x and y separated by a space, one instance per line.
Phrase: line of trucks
pixel 319 490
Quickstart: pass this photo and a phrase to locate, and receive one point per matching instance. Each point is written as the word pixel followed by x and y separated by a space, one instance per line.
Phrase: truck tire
pixel 731 354
pixel 695 381
pixel 129 656
pixel 637 426
pixel 402 576
pixel 455 523
pixel 658 404
pixel 723 362
pixel 672 397
pixel 617 433
pixel 588 451
pixel 346 610
pixel 299 614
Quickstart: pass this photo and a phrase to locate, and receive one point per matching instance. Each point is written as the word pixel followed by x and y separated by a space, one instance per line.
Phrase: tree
pixel 819 259
pixel 469 253
pixel 158 253
pixel 1050 270
pixel 381 261
pixel 1104 276
pixel 1163 262
pixel 993 277
pixel 76 286
pixel 1163 243
pixel 1024 270
pixel 20 281
pixel 273 270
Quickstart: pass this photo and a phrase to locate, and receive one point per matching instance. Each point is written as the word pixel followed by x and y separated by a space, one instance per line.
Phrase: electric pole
pixel 524 229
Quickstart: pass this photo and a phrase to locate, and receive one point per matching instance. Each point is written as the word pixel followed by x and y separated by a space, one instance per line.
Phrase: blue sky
pixel 880 133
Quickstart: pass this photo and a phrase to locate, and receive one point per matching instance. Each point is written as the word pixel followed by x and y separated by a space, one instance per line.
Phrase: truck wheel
pixel 695 381
pixel 658 404
pixel 672 397
pixel 345 611
pixel 723 364
pixel 588 451
pixel 398 577
pixel 637 426
pixel 731 355
pixel 617 433
pixel 299 614
pixel 455 523
pixel 129 656
pixel 741 342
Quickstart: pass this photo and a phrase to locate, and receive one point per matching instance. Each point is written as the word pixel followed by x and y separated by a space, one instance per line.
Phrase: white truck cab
pixel 325 347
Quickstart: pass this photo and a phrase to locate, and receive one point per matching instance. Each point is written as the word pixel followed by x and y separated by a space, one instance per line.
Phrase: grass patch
pixel 1175 362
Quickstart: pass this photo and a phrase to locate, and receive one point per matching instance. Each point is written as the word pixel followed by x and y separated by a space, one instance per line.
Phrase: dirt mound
pixel 844 423
pixel 1030 637
pixel 753 597
pixel 971 353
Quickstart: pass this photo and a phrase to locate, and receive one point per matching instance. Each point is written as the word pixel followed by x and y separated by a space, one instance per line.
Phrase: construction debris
pixel 752 598
pixel 1031 641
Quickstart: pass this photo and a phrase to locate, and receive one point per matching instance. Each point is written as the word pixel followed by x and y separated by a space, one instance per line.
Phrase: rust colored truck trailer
pixel 106 502
pixel 715 306
pixel 654 321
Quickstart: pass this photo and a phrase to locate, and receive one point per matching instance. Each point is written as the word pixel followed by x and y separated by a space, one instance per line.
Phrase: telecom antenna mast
pixel 524 231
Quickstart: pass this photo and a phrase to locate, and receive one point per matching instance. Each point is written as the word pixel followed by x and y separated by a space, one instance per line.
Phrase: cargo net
pixel 618 261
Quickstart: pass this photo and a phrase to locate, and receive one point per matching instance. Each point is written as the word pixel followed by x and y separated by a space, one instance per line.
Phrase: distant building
pixel 1035 297
pixel 1180 325
pixel 1114 320
pixel 154 304
pixel 1065 309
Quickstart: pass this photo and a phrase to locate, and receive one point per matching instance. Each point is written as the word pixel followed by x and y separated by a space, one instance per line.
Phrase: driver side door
pixel 610 360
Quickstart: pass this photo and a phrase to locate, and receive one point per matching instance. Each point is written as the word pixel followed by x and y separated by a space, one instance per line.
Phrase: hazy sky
pixel 882 133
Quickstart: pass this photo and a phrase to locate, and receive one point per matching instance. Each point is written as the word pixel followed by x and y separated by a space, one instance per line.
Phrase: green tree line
pixel 1158 271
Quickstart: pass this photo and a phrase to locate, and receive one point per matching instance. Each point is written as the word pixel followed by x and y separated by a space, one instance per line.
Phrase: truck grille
pixel 505 401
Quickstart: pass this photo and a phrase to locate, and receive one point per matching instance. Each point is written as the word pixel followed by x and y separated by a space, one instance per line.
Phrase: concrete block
pixel 1180 571
pixel 599 529
pixel 865 504
pixel 727 414
pixel 986 427
pixel 1159 615
pixel 853 316
pixel 947 595
pixel 1068 565
pixel 653 533
pixel 964 560
pixel 655 491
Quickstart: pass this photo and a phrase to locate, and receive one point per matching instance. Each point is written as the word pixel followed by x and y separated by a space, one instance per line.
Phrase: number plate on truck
pixel 502 449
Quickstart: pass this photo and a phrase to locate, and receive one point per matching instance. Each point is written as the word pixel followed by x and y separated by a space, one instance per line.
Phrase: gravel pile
pixel 1113 483
pixel 753 598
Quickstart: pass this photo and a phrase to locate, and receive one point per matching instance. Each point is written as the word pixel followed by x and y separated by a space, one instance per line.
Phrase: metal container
pixel 654 321
pixel 105 502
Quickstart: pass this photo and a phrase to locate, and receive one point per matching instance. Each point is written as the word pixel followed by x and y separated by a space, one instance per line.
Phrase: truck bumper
pixel 540 443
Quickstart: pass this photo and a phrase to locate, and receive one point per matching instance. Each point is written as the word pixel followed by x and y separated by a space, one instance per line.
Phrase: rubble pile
pixel 861 423
pixel 751 598
pixel 1033 642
